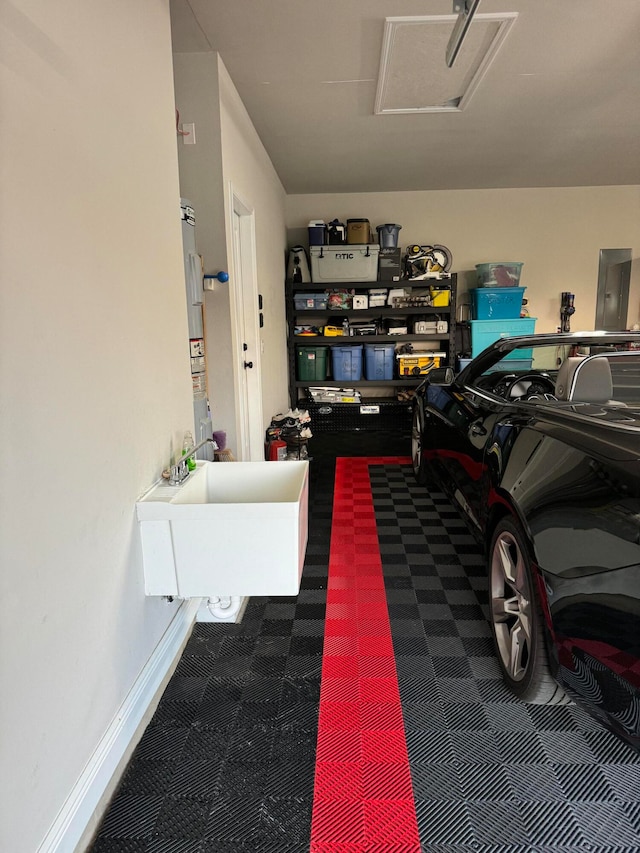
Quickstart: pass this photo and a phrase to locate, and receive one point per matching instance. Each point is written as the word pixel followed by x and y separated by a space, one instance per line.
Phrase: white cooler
pixel 344 263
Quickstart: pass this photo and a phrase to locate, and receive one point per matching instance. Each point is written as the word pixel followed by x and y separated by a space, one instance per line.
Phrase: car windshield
pixel 586 373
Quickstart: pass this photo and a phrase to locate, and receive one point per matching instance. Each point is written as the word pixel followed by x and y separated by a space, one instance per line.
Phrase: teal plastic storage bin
pixel 486 332
pixel 346 363
pixel 513 364
pixel 496 303
pixel 378 361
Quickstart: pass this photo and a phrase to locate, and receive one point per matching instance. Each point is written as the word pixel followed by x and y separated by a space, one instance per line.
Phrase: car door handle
pixel 477 429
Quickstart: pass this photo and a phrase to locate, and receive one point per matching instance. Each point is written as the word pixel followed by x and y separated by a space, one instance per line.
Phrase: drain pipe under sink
pixel 225 608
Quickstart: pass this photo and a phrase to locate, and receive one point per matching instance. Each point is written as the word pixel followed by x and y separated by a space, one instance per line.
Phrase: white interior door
pixel 248 391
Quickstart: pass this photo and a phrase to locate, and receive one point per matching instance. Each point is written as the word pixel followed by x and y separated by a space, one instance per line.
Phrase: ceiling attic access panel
pixel 414 77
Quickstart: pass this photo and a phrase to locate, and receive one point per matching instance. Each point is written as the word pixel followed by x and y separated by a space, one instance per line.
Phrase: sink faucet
pixel 179 472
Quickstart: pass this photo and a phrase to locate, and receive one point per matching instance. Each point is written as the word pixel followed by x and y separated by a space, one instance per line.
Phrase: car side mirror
pixel 441 376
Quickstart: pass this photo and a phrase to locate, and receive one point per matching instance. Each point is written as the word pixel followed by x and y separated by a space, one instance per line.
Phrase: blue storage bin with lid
pixel 378 361
pixel 496 303
pixel 346 363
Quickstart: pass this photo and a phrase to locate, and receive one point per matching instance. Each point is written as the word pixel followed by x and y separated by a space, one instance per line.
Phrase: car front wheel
pixel 516 619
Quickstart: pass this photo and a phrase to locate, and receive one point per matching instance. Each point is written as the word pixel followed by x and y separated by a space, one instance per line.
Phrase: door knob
pixel 248 364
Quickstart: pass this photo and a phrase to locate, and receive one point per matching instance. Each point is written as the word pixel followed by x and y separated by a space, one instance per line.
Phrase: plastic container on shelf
pixel 512 364
pixel 440 297
pixel 388 235
pixel 486 332
pixel 346 362
pixel 499 274
pixel 310 301
pixel 358 231
pixel 317 232
pixel 496 303
pixel 312 363
pixel 378 361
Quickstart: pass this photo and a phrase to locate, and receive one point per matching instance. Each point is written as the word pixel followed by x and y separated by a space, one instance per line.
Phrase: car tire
pixel 417 462
pixel 516 619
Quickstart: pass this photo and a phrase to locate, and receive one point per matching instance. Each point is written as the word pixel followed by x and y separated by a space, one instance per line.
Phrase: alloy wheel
pixel 511 605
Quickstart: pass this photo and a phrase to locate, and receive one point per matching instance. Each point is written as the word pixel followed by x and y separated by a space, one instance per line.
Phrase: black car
pixel 537 441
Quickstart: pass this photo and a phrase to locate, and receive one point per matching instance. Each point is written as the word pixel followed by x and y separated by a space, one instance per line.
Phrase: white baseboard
pixel 82 808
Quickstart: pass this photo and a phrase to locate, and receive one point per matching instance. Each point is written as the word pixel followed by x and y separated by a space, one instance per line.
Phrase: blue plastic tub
pixel 346 363
pixel 378 361
pixel 496 303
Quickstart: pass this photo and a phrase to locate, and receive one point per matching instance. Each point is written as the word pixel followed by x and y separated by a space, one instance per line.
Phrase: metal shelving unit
pixel 349 411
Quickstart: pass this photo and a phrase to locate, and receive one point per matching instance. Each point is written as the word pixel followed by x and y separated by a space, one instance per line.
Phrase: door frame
pixel 607 261
pixel 244 322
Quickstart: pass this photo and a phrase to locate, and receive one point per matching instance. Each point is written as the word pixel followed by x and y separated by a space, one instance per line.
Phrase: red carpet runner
pixel 363 799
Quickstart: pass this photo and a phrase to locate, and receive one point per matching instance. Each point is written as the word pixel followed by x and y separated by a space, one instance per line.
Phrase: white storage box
pixel 360 301
pixel 344 263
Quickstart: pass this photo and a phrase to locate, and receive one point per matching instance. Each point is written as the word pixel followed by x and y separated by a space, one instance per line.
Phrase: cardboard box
pixel 390 265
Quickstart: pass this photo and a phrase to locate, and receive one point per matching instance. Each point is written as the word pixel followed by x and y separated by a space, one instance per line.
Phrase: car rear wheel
pixel 516 619
pixel 417 427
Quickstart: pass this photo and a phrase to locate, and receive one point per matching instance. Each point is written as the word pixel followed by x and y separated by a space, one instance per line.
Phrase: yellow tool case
pixel 418 363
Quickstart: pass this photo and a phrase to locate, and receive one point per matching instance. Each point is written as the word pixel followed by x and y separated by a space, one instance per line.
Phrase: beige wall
pixel 198 100
pixel 557 233
pixel 229 155
pixel 248 171
pixel 94 377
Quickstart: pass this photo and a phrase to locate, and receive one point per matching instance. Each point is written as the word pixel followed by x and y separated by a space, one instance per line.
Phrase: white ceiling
pixel 559 105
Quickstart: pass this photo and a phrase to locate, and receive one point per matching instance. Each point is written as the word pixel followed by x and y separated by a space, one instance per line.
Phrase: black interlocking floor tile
pixel 490 773
pixel 227 763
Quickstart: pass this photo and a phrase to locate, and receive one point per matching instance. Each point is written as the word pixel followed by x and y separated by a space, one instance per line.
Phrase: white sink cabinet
pixel 231 529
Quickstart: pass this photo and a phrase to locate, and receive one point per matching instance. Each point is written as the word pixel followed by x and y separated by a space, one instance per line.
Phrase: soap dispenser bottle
pixel 188 445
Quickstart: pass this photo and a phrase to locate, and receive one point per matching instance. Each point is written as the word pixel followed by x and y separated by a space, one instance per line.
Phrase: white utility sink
pixel 231 529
